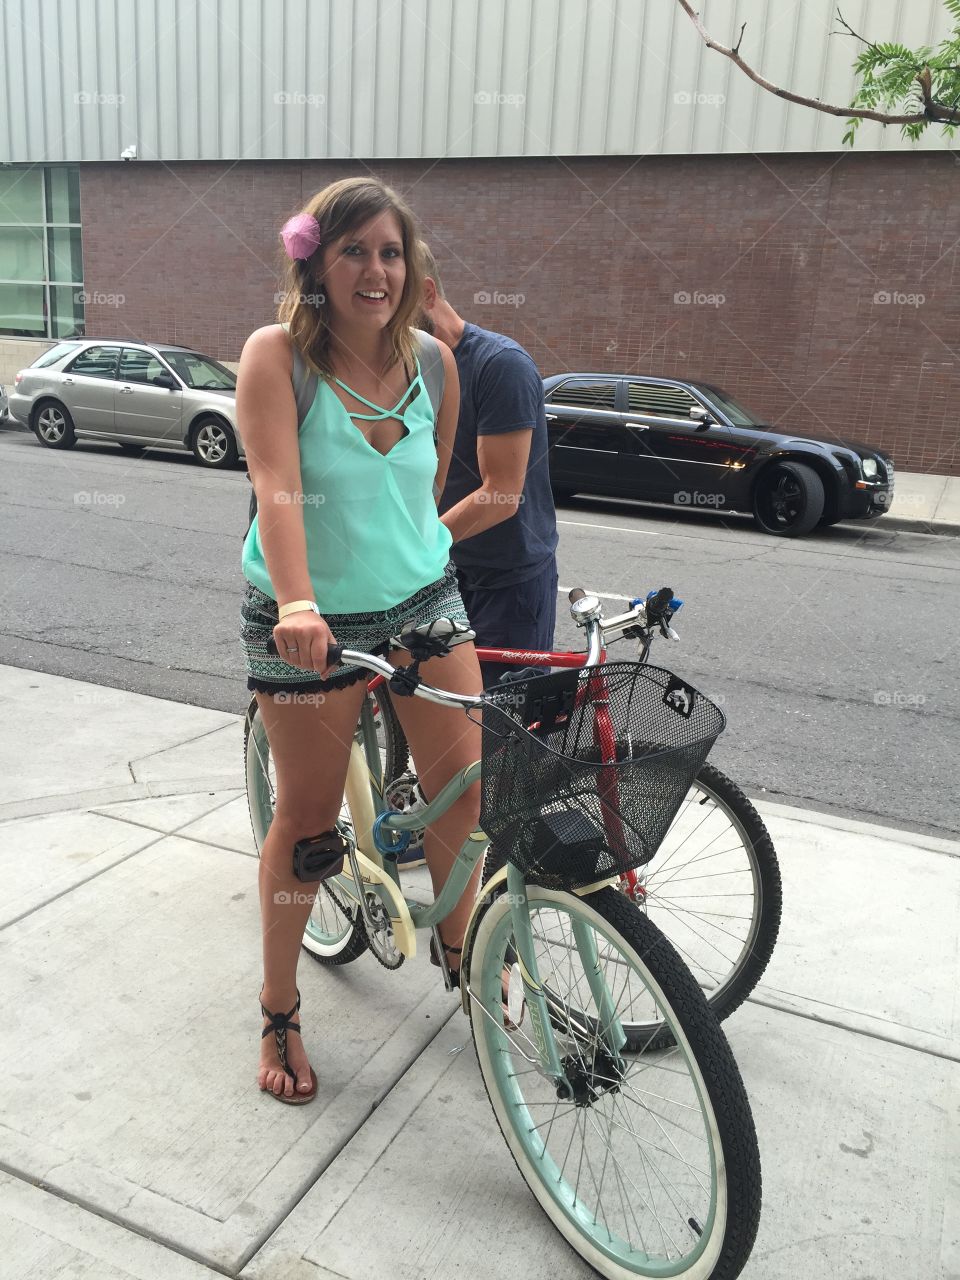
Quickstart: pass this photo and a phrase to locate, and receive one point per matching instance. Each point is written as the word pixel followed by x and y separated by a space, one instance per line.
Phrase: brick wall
pixel 785 261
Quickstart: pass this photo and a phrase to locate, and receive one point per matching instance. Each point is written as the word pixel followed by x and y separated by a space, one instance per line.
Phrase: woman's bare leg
pixel 310 737
pixel 444 741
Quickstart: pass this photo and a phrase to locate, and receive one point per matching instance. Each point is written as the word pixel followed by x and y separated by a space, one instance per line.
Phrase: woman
pixel 347 546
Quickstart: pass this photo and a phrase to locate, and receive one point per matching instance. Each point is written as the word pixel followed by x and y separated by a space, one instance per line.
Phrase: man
pixel 497 501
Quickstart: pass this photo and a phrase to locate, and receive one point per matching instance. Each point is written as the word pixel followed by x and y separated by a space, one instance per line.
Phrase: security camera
pixel 129 153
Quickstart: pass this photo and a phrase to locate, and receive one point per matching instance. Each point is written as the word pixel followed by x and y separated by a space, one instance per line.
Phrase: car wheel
pixel 53 425
pixel 788 500
pixel 213 444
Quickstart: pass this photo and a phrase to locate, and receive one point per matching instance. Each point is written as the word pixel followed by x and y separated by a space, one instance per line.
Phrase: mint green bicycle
pixel 645 1158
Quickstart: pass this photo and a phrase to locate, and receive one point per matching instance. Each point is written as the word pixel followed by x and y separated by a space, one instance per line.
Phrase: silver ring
pixel 292 648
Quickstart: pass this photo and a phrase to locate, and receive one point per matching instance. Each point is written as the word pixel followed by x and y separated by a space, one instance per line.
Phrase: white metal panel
pixel 295 79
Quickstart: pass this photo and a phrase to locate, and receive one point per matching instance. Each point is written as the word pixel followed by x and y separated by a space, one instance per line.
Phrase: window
pixel 41 258
pixel 585 394
pixel 95 362
pixel 53 355
pixel 139 366
pixel 659 401
pixel 200 372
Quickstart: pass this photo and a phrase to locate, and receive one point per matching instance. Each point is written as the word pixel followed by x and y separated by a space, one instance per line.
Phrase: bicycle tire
pixel 701 1067
pixel 746 969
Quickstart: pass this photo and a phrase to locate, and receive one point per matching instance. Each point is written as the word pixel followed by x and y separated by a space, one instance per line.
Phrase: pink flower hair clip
pixel 301 236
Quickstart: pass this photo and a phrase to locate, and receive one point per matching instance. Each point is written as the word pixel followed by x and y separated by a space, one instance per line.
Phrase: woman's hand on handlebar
pixel 303 639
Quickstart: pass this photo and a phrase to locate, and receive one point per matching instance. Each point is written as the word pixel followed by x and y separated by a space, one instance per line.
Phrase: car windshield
pixel 200 372
pixel 739 416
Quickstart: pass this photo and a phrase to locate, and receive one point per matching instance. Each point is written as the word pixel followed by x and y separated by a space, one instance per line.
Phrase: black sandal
pixel 280 1024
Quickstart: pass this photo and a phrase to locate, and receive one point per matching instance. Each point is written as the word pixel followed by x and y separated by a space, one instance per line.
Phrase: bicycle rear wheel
pixel 653 1168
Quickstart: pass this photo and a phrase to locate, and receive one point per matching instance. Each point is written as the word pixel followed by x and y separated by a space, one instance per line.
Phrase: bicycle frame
pixel 379 874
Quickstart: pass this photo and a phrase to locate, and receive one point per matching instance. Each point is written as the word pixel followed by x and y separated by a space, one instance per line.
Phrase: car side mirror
pixel 164 380
pixel 702 417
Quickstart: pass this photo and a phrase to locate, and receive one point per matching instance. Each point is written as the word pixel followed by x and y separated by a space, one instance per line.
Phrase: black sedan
pixel 691 445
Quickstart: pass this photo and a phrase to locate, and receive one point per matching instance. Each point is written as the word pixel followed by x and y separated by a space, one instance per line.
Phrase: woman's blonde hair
pixel 340 208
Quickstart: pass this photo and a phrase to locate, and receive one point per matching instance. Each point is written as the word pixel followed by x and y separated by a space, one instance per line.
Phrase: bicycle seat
pixel 431 639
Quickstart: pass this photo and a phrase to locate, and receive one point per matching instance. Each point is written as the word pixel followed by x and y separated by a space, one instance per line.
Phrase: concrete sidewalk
pixel 133 1140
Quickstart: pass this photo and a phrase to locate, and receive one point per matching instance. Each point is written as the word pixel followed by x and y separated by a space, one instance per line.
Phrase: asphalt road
pixel 835 658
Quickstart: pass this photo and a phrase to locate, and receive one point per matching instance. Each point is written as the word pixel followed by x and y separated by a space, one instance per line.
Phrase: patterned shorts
pixel 368 631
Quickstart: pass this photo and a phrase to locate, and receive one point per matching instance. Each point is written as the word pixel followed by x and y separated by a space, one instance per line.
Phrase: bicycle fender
pixel 484 900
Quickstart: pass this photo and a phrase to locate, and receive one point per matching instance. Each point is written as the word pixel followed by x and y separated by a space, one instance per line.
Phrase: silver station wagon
pixel 138 395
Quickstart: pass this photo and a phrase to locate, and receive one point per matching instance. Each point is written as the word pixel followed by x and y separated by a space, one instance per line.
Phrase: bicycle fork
pixel 546 1010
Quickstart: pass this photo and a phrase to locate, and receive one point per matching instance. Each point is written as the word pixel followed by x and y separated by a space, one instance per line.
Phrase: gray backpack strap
pixel 304 392
pixel 304 386
pixel 434 375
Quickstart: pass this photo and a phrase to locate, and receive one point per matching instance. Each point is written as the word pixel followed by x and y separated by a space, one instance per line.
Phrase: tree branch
pixel 934 110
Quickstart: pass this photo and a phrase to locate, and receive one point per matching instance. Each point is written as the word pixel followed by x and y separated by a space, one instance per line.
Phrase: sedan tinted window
pixel 96 362
pixel 595 394
pixel 139 366
pixel 659 401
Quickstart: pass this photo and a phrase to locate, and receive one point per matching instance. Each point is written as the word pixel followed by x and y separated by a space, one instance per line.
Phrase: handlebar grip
pixel 334 652
pixel 577 593
pixel 657 602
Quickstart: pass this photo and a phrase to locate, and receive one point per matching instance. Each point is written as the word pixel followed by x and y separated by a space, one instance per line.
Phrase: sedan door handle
pixel 125 390
pixel 551 417
pixel 69 380
pixel 638 426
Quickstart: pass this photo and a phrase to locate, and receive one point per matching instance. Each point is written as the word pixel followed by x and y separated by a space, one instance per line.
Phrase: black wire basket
pixel 583 771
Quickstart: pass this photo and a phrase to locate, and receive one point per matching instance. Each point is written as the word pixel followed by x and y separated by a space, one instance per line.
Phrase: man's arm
pixel 510 401
pixel 502 463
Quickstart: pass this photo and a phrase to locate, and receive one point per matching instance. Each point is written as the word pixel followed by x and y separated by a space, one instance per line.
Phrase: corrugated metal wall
pixel 289 79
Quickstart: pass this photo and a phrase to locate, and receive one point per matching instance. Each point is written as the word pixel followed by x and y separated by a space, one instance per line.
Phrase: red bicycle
pixel 714 885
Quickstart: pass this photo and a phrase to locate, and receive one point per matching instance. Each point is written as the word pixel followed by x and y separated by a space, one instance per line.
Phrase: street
pixel 835 658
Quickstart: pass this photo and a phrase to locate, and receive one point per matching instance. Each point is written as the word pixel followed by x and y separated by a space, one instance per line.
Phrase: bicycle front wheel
pixel 652 1168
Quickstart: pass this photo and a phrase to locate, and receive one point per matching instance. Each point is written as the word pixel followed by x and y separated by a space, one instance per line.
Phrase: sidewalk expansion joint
pixel 811 1016
pixel 265 1236
pixel 91 1207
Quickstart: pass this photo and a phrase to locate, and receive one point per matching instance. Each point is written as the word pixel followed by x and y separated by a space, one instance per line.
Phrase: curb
pixel 906 524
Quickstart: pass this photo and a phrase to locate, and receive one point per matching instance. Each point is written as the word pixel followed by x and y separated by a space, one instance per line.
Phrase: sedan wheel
pixel 788 500
pixel 213 444
pixel 53 426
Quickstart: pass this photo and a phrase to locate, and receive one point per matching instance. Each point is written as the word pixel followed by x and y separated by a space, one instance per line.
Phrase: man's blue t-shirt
pixel 501 390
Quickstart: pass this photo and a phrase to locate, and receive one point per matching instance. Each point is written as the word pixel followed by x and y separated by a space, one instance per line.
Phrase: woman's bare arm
pixel 267 422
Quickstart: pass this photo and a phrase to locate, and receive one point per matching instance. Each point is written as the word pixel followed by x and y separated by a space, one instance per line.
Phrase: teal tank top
pixel 373 534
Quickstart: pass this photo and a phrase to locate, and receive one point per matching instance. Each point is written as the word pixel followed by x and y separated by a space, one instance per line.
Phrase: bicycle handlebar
pixel 337 654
